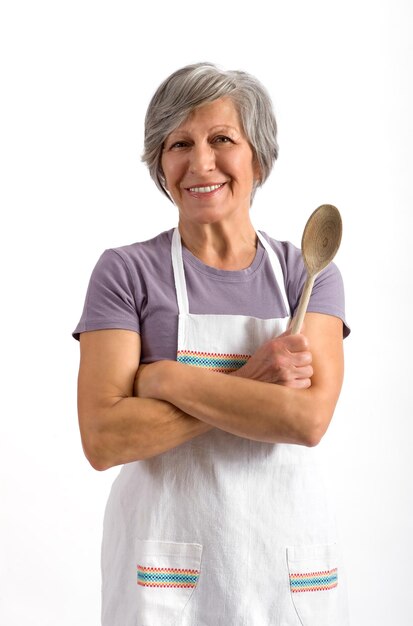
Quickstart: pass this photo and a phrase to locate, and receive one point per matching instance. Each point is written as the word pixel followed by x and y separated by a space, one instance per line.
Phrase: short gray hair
pixel 194 85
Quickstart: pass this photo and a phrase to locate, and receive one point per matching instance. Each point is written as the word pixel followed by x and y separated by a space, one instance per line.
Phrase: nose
pixel 202 159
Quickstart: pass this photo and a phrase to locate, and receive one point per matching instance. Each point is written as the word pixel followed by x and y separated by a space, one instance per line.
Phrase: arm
pixel 115 427
pixel 259 410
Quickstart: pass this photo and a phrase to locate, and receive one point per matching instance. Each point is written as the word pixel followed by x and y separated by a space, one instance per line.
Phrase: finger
pixel 303 372
pixel 296 343
pixel 301 359
pixel 298 383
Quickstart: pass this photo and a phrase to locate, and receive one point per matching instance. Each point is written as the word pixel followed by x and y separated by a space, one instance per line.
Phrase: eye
pixel 177 145
pixel 222 139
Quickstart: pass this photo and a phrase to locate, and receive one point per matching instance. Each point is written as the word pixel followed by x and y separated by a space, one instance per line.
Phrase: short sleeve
pixel 327 295
pixel 110 298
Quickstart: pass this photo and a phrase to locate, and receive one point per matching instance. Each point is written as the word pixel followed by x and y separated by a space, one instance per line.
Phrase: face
pixel 209 166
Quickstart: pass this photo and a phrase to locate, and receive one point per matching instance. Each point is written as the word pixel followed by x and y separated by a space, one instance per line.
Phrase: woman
pixel 190 378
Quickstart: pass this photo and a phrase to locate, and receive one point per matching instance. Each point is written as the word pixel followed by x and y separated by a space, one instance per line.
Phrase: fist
pixel 285 360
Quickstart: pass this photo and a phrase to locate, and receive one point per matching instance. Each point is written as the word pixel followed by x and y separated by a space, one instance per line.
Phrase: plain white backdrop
pixel 76 78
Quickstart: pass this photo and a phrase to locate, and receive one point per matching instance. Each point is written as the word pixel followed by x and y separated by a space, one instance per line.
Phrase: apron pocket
pixel 167 574
pixel 313 584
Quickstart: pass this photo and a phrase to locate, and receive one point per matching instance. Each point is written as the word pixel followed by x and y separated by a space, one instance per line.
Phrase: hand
pixel 285 360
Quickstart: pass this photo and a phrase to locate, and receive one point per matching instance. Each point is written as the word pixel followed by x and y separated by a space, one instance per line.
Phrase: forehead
pixel 220 112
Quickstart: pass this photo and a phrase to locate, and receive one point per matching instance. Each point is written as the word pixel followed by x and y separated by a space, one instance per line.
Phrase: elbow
pixel 313 437
pixel 95 448
pixel 316 428
pixel 98 463
pixel 313 418
pixel 95 454
pixel 104 447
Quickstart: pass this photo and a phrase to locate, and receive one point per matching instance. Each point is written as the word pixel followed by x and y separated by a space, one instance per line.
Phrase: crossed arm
pixel 286 393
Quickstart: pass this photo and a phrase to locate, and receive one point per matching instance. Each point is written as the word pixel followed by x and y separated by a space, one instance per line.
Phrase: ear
pixel 257 172
pixel 162 177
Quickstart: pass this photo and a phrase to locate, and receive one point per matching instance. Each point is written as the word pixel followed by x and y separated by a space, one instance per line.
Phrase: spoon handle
pixel 303 304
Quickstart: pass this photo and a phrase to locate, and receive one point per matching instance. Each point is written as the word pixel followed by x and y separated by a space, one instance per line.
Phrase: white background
pixel 76 78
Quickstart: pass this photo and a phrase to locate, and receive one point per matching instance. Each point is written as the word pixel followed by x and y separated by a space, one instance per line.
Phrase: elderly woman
pixel 190 378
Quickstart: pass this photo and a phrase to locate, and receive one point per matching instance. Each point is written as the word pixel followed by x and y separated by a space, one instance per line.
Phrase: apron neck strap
pixel 179 274
pixel 276 268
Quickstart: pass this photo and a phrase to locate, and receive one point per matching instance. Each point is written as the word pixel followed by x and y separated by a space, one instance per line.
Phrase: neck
pixel 221 245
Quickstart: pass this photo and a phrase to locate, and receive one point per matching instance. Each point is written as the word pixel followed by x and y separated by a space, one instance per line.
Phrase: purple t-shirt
pixel 133 288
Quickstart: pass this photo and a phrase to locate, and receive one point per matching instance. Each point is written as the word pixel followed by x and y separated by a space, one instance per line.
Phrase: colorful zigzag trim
pixel 167 577
pixel 224 363
pixel 314 581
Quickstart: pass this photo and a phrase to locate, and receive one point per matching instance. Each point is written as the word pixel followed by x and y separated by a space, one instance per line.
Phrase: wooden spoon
pixel 320 242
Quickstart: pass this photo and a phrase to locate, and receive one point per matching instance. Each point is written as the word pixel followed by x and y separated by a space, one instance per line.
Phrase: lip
pixel 205 194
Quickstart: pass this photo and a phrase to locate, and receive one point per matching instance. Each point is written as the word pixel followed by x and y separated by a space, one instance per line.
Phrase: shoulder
pixel 119 284
pixel 136 262
pixel 152 250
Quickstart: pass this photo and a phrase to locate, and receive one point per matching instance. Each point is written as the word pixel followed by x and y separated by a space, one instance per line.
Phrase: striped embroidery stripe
pixel 314 581
pixel 167 577
pixel 224 363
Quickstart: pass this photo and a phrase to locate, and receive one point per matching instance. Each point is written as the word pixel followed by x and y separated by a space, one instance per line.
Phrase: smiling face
pixel 209 165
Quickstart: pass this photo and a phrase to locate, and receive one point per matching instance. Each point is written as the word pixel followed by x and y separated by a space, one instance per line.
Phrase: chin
pixel 204 217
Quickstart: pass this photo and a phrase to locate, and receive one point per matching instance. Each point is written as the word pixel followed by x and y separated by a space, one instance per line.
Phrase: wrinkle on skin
pixel 210 148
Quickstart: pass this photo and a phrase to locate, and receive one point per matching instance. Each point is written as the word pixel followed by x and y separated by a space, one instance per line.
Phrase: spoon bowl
pixel 320 242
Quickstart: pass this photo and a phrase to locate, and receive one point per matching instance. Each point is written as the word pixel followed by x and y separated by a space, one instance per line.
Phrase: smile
pixel 206 189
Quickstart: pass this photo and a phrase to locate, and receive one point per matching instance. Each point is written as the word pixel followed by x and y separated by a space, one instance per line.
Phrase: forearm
pixel 243 407
pixel 133 429
pixel 115 426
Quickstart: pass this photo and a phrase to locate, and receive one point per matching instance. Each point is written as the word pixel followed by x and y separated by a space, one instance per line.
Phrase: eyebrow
pixel 219 127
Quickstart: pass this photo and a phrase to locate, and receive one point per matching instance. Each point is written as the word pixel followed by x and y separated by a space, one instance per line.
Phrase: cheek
pixel 171 170
pixel 244 164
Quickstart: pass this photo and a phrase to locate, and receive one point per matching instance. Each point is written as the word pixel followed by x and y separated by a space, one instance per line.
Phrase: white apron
pixel 221 531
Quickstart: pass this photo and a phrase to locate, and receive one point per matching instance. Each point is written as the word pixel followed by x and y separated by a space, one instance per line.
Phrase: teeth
pixel 205 189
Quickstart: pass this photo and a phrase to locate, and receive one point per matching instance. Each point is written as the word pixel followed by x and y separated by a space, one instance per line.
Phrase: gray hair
pixel 194 85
